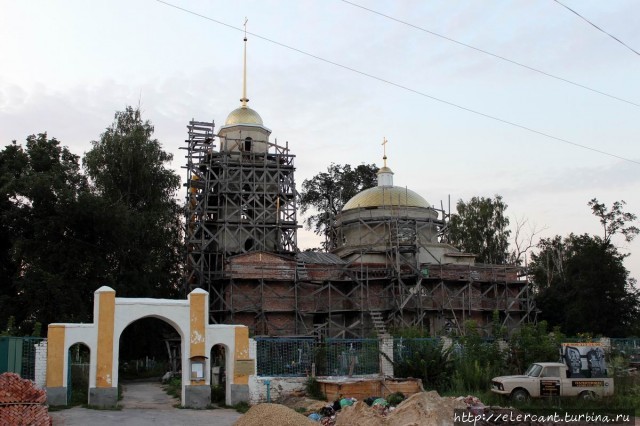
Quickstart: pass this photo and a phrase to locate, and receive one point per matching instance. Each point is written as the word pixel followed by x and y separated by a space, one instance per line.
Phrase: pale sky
pixel 66 66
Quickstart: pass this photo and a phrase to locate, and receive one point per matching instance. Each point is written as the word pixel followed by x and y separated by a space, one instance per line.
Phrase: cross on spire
pixel 244 99
pixel 384 150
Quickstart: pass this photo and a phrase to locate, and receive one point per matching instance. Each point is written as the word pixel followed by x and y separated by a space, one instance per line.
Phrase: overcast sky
pixel 66 66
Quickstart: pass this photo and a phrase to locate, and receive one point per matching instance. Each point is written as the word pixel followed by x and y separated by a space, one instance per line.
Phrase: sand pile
pixel 273 414
pixel 425 408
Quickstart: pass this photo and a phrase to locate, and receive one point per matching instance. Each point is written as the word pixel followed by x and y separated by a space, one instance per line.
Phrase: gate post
pixel 196 389
pixel 105 394
pixel 56 357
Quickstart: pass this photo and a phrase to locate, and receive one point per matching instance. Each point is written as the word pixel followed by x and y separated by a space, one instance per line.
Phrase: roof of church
pixel 386 196
pixel 243 115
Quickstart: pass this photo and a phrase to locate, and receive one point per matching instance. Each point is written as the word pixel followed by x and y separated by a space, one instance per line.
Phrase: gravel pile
pixel 273 414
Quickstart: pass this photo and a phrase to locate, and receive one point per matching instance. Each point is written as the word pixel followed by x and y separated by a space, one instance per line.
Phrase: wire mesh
pixel 29 357
pixel 626 346
pixel 299 357
pixel 407 348
pixel 353 357
pixel 285 357
pixel 18 355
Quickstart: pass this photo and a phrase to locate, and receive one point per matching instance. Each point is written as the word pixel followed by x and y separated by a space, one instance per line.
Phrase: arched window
pixel 247 144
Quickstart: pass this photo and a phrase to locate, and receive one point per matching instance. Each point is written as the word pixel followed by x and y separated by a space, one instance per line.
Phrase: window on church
pixel 247 144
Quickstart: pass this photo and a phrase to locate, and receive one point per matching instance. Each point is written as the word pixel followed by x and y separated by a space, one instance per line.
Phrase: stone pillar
pixel 105 394
pixel 40 373
pixel 197 392
pixel 243 366
pixel 56 365
pixel 386 356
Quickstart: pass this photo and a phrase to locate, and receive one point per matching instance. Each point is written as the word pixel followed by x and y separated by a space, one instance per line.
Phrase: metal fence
pixel 18 355
pixel 407 348
pixel 626 346
pixel 299 357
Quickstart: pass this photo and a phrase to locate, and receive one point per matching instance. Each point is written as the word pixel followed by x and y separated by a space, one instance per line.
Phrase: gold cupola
pixel 385 194
pixel 244 129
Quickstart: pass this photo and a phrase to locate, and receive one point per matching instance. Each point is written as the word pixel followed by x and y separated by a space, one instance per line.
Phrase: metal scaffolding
pixel 237 202
pixel 241 247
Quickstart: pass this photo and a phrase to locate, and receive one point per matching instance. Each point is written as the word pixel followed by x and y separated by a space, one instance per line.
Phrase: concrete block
pixel 197 396
pixel 57 396
pixel 103 397
pixel 239 393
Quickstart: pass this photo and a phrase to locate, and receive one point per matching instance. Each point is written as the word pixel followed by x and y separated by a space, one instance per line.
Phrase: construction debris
pixel 425 408
pixel 21 402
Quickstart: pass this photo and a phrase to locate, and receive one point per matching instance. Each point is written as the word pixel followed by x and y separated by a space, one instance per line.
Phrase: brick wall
pixel 41 364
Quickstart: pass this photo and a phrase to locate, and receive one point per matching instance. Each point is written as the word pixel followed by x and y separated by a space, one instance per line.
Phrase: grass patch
pixel 174 387
pixel 241 407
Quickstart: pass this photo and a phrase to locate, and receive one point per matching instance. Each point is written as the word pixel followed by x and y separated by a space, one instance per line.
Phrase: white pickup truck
pixel 544 379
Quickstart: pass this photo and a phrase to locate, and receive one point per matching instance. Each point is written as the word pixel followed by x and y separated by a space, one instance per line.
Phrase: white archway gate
pixel 111 315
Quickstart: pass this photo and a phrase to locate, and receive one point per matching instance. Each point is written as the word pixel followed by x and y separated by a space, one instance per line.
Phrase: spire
pixel 244 99
pixel 384 150
pixel 385 175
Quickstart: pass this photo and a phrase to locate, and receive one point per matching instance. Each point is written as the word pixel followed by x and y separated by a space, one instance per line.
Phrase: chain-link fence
pixel 347 357
pixel 628 347
pixel 18 355
pixel 406 348
pixel 299 357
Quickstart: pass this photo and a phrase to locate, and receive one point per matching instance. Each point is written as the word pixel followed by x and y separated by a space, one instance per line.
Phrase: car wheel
pixel 519 395
pixel 587 396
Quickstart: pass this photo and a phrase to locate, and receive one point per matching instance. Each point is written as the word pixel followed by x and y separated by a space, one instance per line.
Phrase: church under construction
pixel 387 267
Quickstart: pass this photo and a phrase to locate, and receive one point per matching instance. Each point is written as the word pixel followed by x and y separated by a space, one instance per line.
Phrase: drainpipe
pixel 268 383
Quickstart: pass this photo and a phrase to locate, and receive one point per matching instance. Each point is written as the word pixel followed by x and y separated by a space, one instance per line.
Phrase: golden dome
pixel 386 196
pixel 243 115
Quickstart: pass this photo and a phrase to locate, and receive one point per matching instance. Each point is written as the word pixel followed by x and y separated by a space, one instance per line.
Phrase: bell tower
pixel 240 198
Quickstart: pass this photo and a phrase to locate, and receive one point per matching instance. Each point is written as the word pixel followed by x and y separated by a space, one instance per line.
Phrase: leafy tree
pixel 481 227
pixel 615 221
pixel 327 192
pixel 584 286
pixel 581 280
pixel 44 261
pixel 63 236
pixel 128 170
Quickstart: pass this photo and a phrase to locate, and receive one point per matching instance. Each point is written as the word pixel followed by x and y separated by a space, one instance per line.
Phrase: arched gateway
pixel 113 314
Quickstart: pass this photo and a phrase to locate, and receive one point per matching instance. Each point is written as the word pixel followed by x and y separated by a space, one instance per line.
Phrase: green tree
pixel 327 192
pixel 45 263
pixel 615 221
pixel 481 227
pixel 128 171
pixel 584 286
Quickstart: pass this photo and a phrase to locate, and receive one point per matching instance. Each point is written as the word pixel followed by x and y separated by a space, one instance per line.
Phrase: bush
pixel 428 361
pixel 533 343
pixel 218 395
pixel 312 386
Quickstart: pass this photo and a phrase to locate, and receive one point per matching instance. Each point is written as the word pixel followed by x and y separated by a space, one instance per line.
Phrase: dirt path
pixel 144 394
pixel 145 404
